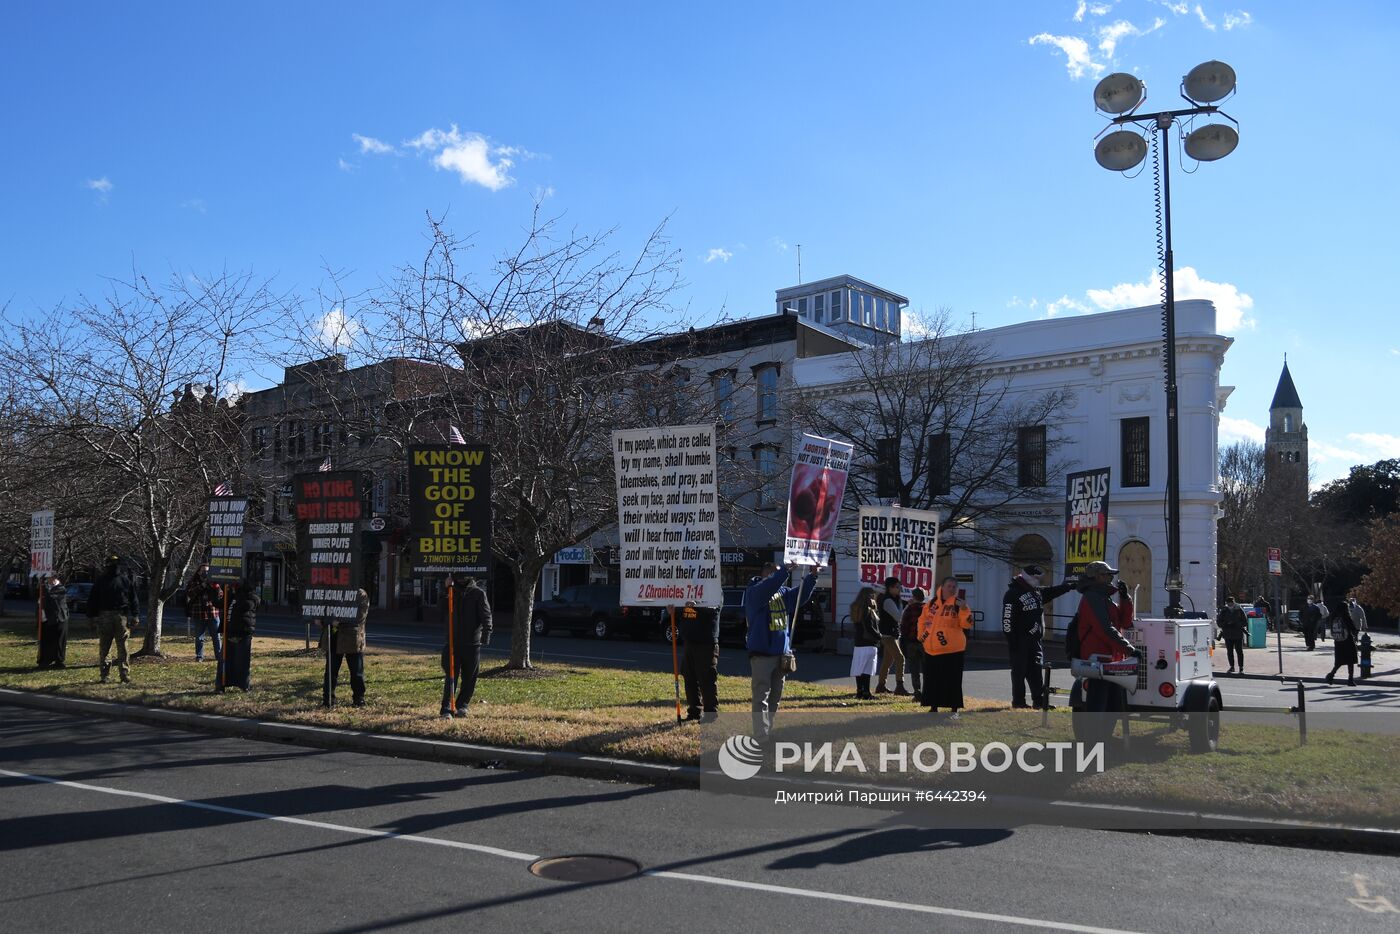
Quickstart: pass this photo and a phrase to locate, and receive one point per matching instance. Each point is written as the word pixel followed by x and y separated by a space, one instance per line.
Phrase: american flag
pixel 454 435
pixel 223 489
pixel 325 465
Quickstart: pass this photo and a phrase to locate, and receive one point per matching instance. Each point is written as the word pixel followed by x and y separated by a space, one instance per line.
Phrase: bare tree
pixel 535 355
pixel 934 426
pixel 130 401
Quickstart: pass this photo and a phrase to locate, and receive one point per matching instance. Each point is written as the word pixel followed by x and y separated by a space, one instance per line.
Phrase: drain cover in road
pixel 584 868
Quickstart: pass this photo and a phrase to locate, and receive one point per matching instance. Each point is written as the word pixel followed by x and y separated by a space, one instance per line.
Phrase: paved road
pixel 984 678
pixel 116 826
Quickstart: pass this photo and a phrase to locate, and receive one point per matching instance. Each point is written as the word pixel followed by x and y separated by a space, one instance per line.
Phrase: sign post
pixel 40 562
pixel 1275 556
pixel 329 507
pixel 668 520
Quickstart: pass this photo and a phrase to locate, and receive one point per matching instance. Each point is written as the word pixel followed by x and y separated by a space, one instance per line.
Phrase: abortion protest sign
pixel 898 542
pixel 1086 519
pixel 668 515
pixel 329 507
pixel 819 474
pixel 449 509
pixel 41 542
pixel 226 514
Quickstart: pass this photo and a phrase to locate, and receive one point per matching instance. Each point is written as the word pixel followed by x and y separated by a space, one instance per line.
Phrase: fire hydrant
pixel 1364 645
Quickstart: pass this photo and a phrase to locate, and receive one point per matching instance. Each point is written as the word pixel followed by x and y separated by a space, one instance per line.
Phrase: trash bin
pixel 1258 632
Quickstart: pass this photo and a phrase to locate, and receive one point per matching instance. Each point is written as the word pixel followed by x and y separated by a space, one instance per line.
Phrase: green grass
pixel 1339 775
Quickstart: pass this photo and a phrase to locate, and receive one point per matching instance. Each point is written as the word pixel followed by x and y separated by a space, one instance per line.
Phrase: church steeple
pixel 1286 440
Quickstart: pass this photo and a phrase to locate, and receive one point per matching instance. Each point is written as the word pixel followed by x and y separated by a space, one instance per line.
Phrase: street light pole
pixel 1121 94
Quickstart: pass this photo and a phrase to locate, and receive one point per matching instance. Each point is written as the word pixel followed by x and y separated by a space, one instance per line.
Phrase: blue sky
pixel 942 150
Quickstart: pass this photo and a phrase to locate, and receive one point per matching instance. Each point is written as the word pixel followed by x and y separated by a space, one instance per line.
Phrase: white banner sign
pixel 819 474
pixel 41 542
pixel 897 542
pixel 668 515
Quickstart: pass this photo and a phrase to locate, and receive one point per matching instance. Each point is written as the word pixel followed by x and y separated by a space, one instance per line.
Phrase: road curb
pixel 604 767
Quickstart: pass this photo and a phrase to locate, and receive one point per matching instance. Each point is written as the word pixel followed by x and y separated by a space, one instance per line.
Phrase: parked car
pixel 14 589
pixel 592 609
pixel 77 595
pixel 734 628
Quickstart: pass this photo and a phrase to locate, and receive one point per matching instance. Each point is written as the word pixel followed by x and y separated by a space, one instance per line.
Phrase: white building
pixel 1113 364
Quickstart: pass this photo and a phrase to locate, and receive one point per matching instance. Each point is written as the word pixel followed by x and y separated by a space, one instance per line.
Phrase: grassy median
pixel 1339 775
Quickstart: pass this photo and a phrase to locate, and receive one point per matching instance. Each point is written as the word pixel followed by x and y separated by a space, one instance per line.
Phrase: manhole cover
pixel 584 868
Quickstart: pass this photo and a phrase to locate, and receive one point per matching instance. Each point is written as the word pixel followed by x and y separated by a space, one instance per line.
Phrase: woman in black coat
pixel 53 637
pixel 242 622
pixel 1344 634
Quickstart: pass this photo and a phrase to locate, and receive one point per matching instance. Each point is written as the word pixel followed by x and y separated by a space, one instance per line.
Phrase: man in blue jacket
pixel 768 609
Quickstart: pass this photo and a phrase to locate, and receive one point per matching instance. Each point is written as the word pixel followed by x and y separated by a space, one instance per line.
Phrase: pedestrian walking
pixel 348 645
pixel 114 605
pixel 471 629
pixel 698 628
pixel 1023 624
pixel 203 600
pixel 909 640
pixel 1234 625
pixel 1344 636
pixel 1266 610
pixel 943 631
pixel 769 608
pixel 1310 619
pixel 243 603
pixel 1357 614
pixel 1099 623
pixel 865 625
pixel 53 638
pixel 891 611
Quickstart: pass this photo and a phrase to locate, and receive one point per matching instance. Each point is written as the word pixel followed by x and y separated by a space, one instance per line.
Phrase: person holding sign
pixel 348 645
pixel 53 643
pixel 943 632
pixel 203 598
pixel 769 609
pixel 891 612
pixel 242 621
pixel 471 629
pixel 698 627
pixel 1023 623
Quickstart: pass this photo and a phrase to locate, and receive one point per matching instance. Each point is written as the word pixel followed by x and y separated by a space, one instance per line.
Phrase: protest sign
pixel 226 515
pixel 1086 519
pixel 328 509
pixel 41 542
pixel 449 509
pixel 819 474
pixel 668 515
pixel 898 542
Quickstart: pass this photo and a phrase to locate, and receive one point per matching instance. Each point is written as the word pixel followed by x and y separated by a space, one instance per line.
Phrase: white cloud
pixel 1177 7
pixel 1078 61
pixel 1205 20
pixel 1064 303
pixel 470 155
pixel 344 166
pixel 195 204
pixel 1385 445
pixel 1322 451
pixel 1239 429
pixel 100 185
pixel 1109 36
pixel 235 388
pixel 779 244
pixel 336 330
pixel 718 253
pixel 1238 19
pixel 1231 305
pixel 544 193
pixel 368 144
pixel 1395 352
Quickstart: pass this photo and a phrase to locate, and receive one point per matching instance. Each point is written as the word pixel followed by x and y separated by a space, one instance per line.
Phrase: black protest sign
pixel 449 514
pixel 329 507
pixel 226 514
pixel 1086 519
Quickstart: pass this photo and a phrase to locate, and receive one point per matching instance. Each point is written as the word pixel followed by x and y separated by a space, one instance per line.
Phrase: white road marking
pixel 526 857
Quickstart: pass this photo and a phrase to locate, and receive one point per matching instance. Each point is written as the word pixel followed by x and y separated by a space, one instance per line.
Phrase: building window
pixel 723 382
pixel 296 441
pixel 940 465
pixel 818 307
pixel 887 473
pixel 1030 456
pixel 802 307
pixel 880 306
pixel 259 441
pixel 766 460
pixel 835 306
pixel 1133 440
pixel 1288 423
pixel 766 376
pixel 277 441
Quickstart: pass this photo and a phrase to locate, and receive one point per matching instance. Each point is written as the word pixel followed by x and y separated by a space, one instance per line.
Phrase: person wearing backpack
pixel 1344 633
pixel 53 642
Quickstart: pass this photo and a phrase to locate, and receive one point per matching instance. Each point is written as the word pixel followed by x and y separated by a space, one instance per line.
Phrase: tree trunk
pixel 155 615
pixel 524 618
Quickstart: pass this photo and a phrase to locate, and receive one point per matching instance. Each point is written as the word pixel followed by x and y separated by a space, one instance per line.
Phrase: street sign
pixel 376 524
pixel 1275 562
pixel 578 554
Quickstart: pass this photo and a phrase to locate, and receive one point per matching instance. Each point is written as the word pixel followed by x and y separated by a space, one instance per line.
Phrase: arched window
pixel 1135 570
pixel 1288 423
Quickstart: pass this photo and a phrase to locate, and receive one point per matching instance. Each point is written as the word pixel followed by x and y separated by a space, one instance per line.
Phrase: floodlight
pixel 1208 82
pixel 1119 93
pixel 1212 141
pixel 1120 151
